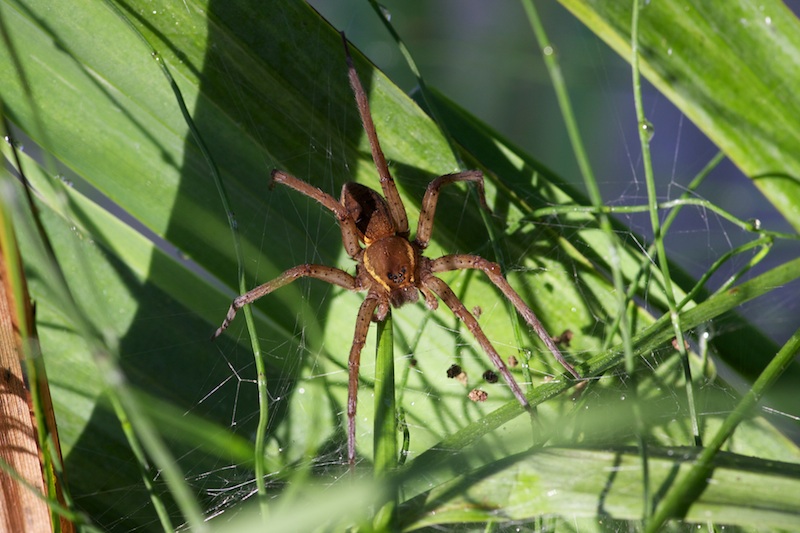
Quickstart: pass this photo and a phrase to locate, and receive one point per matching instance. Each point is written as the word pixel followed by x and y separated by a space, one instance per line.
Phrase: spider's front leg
pixel 332 275
pixel 396 207
pixel 431 199
pixel 346 222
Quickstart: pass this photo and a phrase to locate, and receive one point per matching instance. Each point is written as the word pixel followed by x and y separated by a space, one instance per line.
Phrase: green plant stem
pixel 261 372
pixel 562 95
pixel 385 435
pixel 645 134
pixel 142 461
pixel 764 242
pixel 684 491
pixel 385 429
pixel 746 225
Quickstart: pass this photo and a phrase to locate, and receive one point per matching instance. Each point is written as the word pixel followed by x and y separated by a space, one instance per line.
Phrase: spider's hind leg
pixel 492 270
pixel 441 289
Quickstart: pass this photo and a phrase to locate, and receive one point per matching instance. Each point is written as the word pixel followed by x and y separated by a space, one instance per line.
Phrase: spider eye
pixel 397 278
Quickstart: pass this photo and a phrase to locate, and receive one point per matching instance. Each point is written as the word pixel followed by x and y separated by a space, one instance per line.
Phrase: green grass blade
pixel 385 432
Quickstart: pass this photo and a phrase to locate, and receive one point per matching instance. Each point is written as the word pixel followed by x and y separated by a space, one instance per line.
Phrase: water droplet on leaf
pixel 648 129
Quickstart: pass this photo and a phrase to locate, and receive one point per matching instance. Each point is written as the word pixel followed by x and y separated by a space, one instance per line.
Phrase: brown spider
pixel 390 267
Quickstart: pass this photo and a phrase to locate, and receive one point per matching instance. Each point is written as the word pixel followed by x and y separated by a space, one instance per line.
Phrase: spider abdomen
pixel 392 262
pixel 369 210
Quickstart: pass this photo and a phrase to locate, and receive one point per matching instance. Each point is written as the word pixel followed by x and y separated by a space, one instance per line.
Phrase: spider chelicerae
pixel 389 266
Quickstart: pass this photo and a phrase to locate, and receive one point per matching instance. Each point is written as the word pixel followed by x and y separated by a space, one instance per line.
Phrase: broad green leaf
pixel 606 486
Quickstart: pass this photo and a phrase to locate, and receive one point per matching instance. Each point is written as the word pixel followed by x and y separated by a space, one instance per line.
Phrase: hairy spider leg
pixel 431 199
pixel 443 291
pixel 332 275
pixel 346 222
pixel 388 186
pixel 492 270
pixel 365 313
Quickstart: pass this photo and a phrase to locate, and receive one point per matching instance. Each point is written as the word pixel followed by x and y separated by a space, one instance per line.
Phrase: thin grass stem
pixel 752 226
pixel 645 134
pixel 562 95
pixel 385 423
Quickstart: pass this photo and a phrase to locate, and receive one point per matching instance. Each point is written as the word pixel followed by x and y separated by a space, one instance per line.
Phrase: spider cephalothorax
pixel 389 266
pixel 389 258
